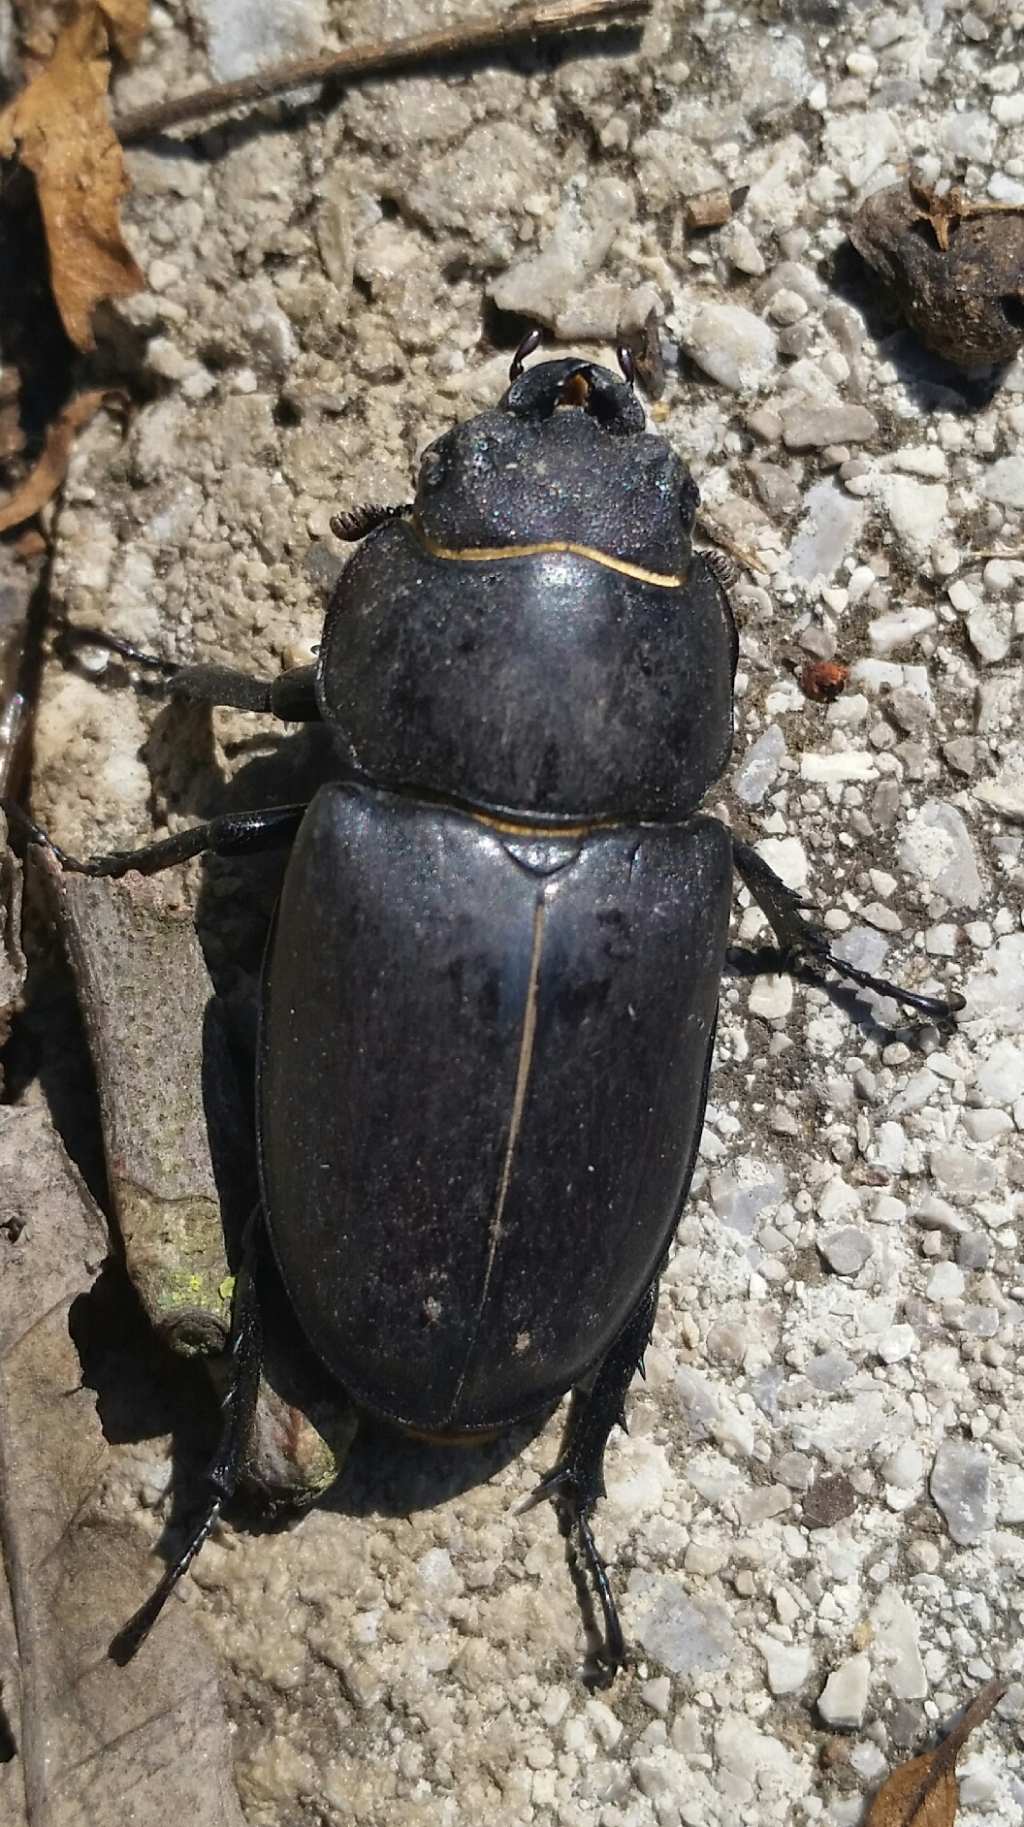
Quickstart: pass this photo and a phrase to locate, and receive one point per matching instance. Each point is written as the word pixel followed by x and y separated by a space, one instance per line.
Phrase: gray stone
pixel 990 629
pixel 996 991
pixel 759 769
pixel 960 1485
pixel 688 1637
pixel 844 1698
pixel 897 1646
pixel 776 488
pixel 761 1503
pixel 846 1251
pixel 733 346
pixel 888 633
pixel 960 1174
pixel 829 1371
pixel 906 1726
pixel 739 1201
pixel 591 215
pixel 1003 792
pixel 961 754
pixel 740 249
pixel 1000 1075
pixel 916 512
pixel 1004 482
pixel 974 1250
pixel 788 1665
pixel 247 36
pixel 809 427
pixel 938 848
pixel 828 530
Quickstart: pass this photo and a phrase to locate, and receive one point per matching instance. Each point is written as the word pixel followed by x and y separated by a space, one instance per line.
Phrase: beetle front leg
pixel 576 1483
pixel 802 943
pixel 291 697
pixel 245 1353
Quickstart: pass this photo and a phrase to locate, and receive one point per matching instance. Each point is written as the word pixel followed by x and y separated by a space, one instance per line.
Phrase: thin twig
pixel 512 27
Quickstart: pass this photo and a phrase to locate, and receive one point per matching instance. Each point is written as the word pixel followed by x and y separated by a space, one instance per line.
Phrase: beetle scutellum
pixel 491 990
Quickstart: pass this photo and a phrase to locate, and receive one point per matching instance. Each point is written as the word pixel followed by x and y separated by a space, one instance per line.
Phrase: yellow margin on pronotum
pixel 665 580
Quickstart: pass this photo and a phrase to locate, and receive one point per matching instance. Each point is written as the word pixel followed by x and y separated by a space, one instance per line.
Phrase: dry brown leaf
pixel 60 129
pixel 95 1744
pixel 924 1792
pixel 915 1797
pixel 127 20
pixel 42 483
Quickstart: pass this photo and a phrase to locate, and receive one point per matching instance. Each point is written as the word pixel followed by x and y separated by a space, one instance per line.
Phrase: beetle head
pixel 538 392
pixel 565 457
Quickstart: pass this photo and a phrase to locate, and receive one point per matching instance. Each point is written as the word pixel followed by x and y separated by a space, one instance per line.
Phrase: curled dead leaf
pixel 59 127
pixel 42 483
pixel 924 1793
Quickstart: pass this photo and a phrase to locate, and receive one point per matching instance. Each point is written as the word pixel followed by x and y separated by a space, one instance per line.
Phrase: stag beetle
pixel 490 992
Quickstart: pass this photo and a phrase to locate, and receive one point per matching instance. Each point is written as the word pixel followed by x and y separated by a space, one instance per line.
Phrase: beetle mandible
pixel 490 993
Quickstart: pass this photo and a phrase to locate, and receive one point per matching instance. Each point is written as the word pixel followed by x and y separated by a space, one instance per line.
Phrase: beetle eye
pixel 431 469
pixel 689 499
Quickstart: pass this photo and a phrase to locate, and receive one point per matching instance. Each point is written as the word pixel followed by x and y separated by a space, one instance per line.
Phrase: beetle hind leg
pixel 245 1349
pixel 576 1484
pixel 801 943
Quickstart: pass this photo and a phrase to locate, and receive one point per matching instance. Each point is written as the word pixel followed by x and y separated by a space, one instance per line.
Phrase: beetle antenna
pixel 529 343
pixel 627 362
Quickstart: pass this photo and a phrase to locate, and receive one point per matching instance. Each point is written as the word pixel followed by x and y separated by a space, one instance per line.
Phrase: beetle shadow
pixel 934 384
pixel 860 1006
pixel 143 1390
pixel 388 1473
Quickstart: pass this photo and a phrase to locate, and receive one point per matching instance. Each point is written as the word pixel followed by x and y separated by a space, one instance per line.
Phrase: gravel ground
pixel 816 1520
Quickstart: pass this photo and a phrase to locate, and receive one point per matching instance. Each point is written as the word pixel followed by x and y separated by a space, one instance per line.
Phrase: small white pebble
pixel 962 597
pixel 787 307
pixel 946 1282
pixel 945 559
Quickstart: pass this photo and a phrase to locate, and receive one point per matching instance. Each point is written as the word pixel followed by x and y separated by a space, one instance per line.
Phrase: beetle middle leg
pixel 231 834
pixel 576 1483
pixel 245 1356
pixel 800 942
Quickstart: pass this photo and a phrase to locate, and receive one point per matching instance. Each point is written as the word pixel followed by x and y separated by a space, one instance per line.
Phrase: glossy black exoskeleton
pixel 491 990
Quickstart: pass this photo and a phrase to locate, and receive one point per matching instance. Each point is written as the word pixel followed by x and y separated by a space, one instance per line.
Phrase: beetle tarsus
pixel 576 1484
pixel 245 1348
pixel 355 522
pixel 613 1656
pixel 801 944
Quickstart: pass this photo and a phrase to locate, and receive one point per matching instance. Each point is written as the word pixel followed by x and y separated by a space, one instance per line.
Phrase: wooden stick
pixel 518 24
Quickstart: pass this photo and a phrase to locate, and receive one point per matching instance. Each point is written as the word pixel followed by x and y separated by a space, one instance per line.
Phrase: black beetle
pixel 491 988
